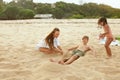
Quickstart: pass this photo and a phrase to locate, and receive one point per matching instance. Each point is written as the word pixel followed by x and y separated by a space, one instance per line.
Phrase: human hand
pixel 101 36
pixel 69 49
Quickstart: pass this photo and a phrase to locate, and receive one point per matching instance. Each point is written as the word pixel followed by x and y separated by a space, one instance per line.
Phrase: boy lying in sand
pixel 77 52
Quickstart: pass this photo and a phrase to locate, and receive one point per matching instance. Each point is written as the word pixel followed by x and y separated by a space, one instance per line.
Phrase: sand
pixel 19 59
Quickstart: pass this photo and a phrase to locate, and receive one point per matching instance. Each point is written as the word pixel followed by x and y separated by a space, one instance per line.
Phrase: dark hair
pixel 50 38
pixel 102 19
pixel 85 37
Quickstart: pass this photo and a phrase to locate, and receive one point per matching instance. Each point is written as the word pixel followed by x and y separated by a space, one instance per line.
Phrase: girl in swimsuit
pixel 107 33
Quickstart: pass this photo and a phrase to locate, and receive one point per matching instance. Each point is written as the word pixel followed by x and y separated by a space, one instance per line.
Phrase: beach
pixel 20 60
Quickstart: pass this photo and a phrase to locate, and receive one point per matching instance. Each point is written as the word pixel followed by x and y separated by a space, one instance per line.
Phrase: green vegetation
pixel 26 14
pixel 77 16
pixel 24 9
pixel 118 38
pixel 10 12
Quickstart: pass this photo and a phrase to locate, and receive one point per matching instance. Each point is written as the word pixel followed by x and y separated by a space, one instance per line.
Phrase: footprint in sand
pixel 73 78
pixel 53 67
pixel 4 74
pixel 109 70
pixel 8 70
pixel 8 66
pixel 2 59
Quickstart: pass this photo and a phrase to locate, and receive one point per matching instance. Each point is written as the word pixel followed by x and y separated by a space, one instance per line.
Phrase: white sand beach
pixel 19 59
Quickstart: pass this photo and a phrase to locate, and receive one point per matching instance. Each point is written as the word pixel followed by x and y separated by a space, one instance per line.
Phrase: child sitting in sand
pixel 51 43
pixel 77 52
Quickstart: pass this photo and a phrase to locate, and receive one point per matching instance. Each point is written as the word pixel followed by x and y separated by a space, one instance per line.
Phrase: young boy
pixel 77 52
pixel 107 33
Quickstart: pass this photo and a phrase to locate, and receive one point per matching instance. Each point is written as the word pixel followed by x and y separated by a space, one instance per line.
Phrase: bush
pixel 3 16
pixel 10 12
pixel 77 16
pixel 13 12
pixel 118 38
pixel 26 14
pixel 58 13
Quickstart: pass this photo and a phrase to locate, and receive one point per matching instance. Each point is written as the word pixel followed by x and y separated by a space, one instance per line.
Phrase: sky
pixel 113 3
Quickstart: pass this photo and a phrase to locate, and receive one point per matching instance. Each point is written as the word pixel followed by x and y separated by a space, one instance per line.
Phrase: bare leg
pixel 59 62
pixel 108 50
pixel 73 58
pixel 63 61
pixel 46 50
pixel 49 51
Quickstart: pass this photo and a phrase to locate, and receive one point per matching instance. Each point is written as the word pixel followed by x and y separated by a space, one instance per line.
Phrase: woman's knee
pixel 44 50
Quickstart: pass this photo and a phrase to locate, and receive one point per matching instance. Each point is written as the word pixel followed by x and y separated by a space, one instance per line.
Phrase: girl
pixel 107 33
pixel 50 44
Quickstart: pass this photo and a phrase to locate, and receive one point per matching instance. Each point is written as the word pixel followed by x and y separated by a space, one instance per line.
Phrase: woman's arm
pixel 59 47
pixel 58 50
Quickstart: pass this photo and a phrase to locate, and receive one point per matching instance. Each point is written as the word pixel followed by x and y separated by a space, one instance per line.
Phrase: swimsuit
pixel 42 44
pixel 78 53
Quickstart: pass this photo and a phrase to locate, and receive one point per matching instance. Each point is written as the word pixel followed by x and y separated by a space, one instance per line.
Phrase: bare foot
pixel 109 57
pixel 61 62
pixel 51 60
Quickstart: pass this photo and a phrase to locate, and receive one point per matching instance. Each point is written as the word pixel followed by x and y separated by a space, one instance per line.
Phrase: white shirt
pixel 43 44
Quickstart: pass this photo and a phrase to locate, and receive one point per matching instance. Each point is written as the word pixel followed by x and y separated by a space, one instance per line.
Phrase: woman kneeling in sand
pixel 51 43
pixel 77 52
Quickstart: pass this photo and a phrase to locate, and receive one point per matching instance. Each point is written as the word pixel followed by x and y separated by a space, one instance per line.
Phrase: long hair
pixel 50 38
pixel 102 19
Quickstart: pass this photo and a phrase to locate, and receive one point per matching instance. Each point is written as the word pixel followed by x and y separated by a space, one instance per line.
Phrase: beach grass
pixel 118 38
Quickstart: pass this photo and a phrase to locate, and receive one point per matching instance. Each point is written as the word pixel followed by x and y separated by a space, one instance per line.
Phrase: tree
pixel 26 14
pixel 1 1
pixel 58 13
pixel 11 12
pixel 25 9
pixel 27 4
pixel 43 8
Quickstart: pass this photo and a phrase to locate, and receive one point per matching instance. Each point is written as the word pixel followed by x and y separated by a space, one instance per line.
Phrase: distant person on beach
pixel 107 33
pixel 78 51
pixel 51 43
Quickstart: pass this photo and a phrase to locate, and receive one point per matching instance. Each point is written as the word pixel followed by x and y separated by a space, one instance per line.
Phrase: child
pixel 77 52
pixel 108 34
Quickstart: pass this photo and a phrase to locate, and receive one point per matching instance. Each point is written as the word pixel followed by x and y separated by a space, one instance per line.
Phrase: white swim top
pixel 43 44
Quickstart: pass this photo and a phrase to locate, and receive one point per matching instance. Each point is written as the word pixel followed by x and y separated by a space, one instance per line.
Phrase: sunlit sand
pixel 19 59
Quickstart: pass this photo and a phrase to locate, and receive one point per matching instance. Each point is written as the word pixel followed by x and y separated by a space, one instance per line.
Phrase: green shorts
pixel 78 53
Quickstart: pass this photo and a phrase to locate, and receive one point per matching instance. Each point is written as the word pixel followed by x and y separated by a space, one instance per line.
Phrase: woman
pixel 50 44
